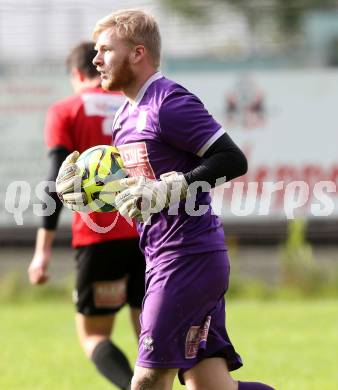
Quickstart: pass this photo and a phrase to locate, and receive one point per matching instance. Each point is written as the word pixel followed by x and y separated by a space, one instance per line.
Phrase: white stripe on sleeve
pixel 210 141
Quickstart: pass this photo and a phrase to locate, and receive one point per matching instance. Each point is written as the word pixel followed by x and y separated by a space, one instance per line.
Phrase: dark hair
pixel 81 57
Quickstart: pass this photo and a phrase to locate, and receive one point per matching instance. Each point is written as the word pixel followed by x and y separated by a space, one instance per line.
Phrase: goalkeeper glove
pixel 68 184
pixel 143 197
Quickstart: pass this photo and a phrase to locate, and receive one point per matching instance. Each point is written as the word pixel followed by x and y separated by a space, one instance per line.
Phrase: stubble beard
pixel 119 78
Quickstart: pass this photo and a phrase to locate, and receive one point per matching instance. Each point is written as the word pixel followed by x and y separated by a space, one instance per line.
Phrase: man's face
pixel 113 61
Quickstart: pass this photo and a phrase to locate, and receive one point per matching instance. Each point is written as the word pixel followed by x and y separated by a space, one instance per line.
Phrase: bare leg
pixel 135 320
pixel 210 374
pixel 153 378
pixel 92 330
pixel 94 333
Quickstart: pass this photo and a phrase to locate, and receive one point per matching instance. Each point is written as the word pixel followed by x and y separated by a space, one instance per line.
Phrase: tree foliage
pixel 287 13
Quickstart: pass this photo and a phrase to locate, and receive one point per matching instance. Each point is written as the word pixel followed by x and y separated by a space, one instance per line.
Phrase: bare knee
pixel 144 382
pixel 153 378
pixel 92 330
pixel 89 343
pixel 209 374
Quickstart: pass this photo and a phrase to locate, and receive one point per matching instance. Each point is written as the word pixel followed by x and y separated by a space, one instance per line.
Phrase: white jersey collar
pixel 145 86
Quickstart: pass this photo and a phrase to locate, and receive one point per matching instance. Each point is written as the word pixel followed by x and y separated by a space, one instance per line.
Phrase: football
pixel 101 167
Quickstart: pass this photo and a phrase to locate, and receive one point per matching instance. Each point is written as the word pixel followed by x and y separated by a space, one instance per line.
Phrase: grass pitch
pixel 290 345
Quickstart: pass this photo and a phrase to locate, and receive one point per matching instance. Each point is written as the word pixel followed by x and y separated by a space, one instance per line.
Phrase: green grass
pixel 291 345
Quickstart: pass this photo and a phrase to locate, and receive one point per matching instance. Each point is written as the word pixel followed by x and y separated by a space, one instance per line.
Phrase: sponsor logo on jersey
pixel 75 296
pixel 110 294
pixel 148 343
pixel 196 339
pixel 142 120
pixel 99 104
pixel 135 159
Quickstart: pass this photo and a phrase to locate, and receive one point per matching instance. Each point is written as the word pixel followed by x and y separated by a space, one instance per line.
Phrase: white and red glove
pixel 68 184
pixel 142 197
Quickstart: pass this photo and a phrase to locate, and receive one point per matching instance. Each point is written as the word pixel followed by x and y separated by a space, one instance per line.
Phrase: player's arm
pixel 187 126
pixel 223 159
pixel 37 270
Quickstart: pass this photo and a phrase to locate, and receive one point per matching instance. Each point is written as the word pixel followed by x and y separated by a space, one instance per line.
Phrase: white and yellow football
pixel 101 167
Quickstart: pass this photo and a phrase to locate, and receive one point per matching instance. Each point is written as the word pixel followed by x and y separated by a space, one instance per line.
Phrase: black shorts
pixel 109 274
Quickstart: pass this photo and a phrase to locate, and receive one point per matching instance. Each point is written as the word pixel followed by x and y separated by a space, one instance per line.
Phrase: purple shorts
pixel 183 313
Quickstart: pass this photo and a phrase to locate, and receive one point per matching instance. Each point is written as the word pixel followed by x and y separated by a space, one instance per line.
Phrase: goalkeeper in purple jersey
pixel 174 152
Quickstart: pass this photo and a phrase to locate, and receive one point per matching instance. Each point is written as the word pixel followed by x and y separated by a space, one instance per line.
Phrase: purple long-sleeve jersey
pixel 169 129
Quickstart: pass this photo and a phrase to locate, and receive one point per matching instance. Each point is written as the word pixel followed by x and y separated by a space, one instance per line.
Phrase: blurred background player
pixel 110 267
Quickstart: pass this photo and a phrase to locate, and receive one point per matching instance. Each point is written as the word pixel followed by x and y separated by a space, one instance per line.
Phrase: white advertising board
pixel 286 122
pixel 24 99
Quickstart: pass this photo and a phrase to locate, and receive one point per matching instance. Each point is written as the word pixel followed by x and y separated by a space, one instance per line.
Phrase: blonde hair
pixel 135 26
